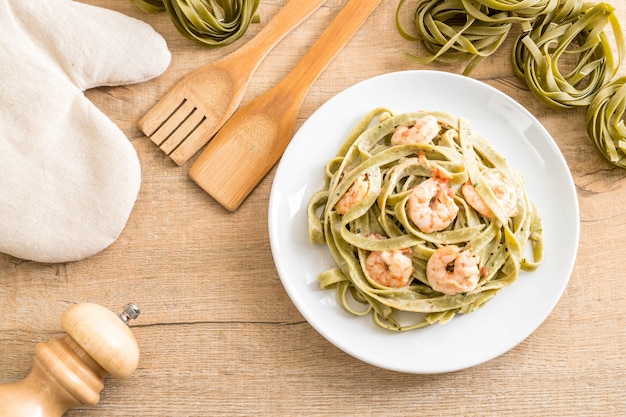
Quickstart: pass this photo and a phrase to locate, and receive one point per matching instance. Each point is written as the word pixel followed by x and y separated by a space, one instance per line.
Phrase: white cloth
pixel 69 176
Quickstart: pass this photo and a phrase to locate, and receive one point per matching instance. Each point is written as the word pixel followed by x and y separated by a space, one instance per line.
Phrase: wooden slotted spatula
pixel 186 118
pixel 255 137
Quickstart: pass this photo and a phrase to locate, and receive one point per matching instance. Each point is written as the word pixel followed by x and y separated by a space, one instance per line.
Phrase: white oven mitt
pixel 69 176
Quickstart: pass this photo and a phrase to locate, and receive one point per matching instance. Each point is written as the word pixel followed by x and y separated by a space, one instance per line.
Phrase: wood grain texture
pixel 218 334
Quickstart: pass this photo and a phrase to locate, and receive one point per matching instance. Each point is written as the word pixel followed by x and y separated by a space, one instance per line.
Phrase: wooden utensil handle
pixel 328 45
pixel 287 18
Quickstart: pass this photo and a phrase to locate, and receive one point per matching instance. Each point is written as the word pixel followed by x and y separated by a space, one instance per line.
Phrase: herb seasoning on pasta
pixel 422 216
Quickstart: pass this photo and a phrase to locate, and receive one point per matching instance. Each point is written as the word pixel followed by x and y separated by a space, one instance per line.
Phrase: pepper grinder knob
pixel 69 371
pixel 104 336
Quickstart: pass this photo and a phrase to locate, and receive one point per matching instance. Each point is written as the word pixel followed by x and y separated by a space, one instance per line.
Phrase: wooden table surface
pixel 218 333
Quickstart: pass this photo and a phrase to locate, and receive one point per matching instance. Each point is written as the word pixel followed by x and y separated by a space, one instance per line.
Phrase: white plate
pixel 467 340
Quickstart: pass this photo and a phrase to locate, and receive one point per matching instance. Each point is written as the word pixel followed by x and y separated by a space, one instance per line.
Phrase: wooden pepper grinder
pixel 69 371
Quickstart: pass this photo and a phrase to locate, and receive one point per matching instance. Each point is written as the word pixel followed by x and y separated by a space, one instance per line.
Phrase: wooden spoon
pixel 255 137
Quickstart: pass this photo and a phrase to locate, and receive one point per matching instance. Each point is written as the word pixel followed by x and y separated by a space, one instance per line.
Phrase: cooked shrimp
pixel 463 277
pixel 431 205
pixel 424 130
pixel 504 192
pixel 355 194
pixel 437 172
pixel 390 268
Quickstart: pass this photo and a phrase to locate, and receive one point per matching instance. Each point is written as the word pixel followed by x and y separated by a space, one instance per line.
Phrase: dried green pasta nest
pixel 450 34
pixel 213 23
pixel 605 121
pixel 572 38
pixel 467 30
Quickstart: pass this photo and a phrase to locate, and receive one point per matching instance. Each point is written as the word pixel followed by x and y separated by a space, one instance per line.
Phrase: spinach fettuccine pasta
pixel 212 23
pixel 466 30
pixel 424 220
pixel 605 122
pixel 574 35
